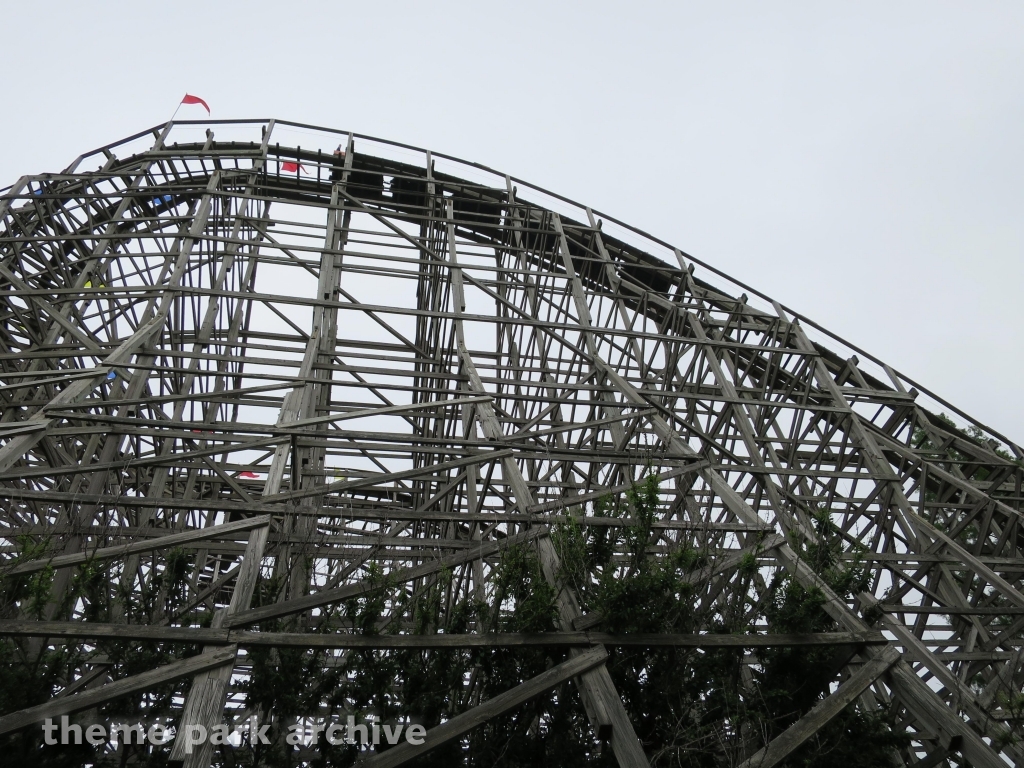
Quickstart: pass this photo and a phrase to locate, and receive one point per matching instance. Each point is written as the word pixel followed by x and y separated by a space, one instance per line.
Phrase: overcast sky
pixel 861 164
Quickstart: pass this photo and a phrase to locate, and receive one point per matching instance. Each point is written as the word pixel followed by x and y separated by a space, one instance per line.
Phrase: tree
pixel 690 707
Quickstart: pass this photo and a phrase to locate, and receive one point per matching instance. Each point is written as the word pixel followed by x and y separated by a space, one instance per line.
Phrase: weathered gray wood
pixel 604 707
pixel 916 649
pixel 923 703
pixel 363 413
pixel 225 636
pixel 82 630
pixel 940 754
pixel 550 359
pixel 14 449
pixel 783 745
pixel 227 531
pixel 115 690
pixel 338 594
pixel 386 477
pixel 204 704
pixel 461 724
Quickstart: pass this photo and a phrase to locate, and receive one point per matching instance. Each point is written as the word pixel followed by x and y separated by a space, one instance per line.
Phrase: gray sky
pixel 862 165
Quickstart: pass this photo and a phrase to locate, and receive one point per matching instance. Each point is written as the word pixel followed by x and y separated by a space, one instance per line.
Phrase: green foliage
pixel 696 708
pixel 973 469
pixel 691 708
pixel 32 673
pixel 38 592
pixel 1012 704
pixel 922 441
pixel 427 686
pixel 520 585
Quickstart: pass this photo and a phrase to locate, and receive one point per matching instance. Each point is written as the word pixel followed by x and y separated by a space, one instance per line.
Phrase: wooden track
pixel 398 363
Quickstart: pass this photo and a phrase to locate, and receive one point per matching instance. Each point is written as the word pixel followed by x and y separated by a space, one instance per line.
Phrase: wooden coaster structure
pixel 288 352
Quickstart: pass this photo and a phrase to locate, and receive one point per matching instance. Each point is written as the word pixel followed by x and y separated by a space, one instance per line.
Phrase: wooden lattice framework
pixel 282 358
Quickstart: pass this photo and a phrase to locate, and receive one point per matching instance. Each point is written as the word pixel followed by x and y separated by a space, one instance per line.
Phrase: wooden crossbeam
pixel 364 413
pixel 115 690
pixel 462 724
pixel 227 531
pixel 80 630
pixel 783 745
pixel 545 349
pixel 338 594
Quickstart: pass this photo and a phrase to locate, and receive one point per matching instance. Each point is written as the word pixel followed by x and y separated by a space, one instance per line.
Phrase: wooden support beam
pixel 81 630
pixel 204 704
pixel 363 413
pixel 467 721
pixel 947 747
pixel 601 700
pixel 115 690
pixel 388 477
pixel 548 354
pixel 783 745
pixel 15 448
pixel 338 594
pixel 225 532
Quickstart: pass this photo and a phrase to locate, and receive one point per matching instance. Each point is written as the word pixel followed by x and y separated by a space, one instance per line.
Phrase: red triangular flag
pixel 249 475
pixel 190 99
pixel 290 167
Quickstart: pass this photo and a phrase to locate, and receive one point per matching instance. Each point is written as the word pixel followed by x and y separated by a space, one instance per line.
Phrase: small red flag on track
pixel 190 99
pixel 289 167
pixel 249 475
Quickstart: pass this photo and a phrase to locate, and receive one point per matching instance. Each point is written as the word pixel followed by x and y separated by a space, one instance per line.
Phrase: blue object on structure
pixel 163 199
pixel 112 375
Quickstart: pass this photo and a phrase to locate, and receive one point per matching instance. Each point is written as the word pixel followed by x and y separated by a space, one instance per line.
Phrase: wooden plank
pixel 115 690
pixel 363 413
pixel 644 640
pixel 84 630
pixel 388 477
pixel 783 745
pixel 226 531
pixel 80 630
pixel 923 703
pixel 204 704
pixel 916 649
pixel 467 721
pixel 600 699
pixel 14 449
pixel 328 596
pixel 567 502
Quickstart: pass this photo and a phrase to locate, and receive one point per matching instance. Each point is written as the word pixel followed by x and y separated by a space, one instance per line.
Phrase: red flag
pixel 290 167
pixel 190 99
pixel 249 475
